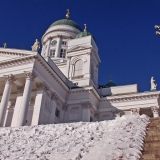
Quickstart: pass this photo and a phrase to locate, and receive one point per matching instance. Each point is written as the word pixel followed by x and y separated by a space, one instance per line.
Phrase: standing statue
pixel 36 46
pixel 153 85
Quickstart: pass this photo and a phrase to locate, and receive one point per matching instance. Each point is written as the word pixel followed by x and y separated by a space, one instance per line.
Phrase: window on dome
pixel 64 43
pixel 63 53
pixel 78 68
pixel 52 53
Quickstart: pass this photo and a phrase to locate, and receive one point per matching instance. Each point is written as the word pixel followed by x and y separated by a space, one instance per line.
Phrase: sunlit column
pixel 58 47
pixel 5 97
pixel 26 97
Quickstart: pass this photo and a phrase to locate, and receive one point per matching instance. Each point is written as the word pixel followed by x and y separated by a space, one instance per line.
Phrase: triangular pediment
pixel 9 54
pixel 78 48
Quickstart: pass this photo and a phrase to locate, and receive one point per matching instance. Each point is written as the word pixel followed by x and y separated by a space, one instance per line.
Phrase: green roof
pixel 83 34
pixel 110 84
pixel 66 22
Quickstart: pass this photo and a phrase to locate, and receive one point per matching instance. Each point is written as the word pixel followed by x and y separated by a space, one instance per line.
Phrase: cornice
pixel 131 98
pixel 17 61
pixel 16 52
pixel 80 48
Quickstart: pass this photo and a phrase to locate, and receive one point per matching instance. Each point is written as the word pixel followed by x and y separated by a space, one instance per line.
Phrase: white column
pixel 86 113
pixel 40 100
pixel 48 48
pixel 58 47
pixel 26 97
pixel 9 114
pixel 155 111
pixel 5 97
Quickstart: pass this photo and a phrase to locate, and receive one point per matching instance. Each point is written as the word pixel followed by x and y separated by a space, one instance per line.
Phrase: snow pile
pixel 107 140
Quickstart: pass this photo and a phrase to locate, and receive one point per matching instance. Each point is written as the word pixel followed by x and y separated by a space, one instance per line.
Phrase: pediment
pixel 78 48
pixel 4 57
pixel 9 54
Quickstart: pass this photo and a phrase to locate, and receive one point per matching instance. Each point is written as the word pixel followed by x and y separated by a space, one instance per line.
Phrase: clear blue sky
pixel 123 29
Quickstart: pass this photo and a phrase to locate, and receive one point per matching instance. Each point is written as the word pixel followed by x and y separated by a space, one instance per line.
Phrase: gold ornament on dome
pixel 68 14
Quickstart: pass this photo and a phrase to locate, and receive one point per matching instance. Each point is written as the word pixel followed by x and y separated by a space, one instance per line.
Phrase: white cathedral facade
pixel 60 85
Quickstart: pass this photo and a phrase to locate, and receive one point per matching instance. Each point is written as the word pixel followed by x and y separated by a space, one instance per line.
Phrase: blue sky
pixel 123 29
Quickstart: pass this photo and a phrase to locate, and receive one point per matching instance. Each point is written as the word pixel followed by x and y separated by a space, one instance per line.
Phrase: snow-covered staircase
pixel 152 141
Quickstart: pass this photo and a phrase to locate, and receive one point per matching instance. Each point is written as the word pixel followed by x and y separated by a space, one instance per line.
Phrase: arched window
pixel 78 68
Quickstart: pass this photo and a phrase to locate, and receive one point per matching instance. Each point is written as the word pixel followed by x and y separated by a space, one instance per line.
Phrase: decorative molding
pixel 79 48
pixel 135 111
pixel 133 98
pixel 13 53
pixel 17 62
pixel 9 78
pixel 30 75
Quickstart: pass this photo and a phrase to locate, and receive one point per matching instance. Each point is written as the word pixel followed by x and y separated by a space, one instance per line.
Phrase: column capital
pixel 42 86
pixel 135 111
pixel 30 75
pixel 9 78
pixel 154 109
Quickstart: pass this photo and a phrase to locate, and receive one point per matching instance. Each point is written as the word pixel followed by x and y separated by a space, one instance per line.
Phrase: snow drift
pixel 107 140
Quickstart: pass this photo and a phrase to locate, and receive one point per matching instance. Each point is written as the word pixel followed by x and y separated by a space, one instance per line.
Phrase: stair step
pixel 152 144
pixel 150 156
pixel 153 133
pixel 150 150
pixel 152 138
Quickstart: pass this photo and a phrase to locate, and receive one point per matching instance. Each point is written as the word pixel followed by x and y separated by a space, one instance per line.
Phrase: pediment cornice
pixel 16 52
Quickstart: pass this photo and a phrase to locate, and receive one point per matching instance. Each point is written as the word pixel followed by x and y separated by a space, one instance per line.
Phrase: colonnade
pixel 22 102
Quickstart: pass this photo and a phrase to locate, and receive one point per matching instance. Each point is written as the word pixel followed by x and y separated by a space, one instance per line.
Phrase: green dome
pixel 110 84
pixel 83 34
pixel 66 22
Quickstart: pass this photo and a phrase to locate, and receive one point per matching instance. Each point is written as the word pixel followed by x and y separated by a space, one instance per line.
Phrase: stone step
pixel 151 150
pixel 152 138
pixel 146 156
pixel 152 133
pixel 152 144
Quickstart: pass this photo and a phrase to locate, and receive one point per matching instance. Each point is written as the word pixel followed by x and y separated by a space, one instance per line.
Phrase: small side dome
pixel 110 83
pixel 66 22
pixel 84 33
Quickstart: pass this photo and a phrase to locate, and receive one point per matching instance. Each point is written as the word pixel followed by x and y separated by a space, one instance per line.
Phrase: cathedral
pixel 60 85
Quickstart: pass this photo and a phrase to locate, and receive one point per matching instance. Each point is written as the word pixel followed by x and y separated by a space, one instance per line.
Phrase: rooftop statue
pixel 5 45
pixel 153 85
pixel 36 46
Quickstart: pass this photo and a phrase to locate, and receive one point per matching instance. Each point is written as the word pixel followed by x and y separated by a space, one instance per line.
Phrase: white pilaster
pixel 40 100
pixel 86 113
pixel 155 111
pixel 5 97
pixel 58 47
pixel 26 97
